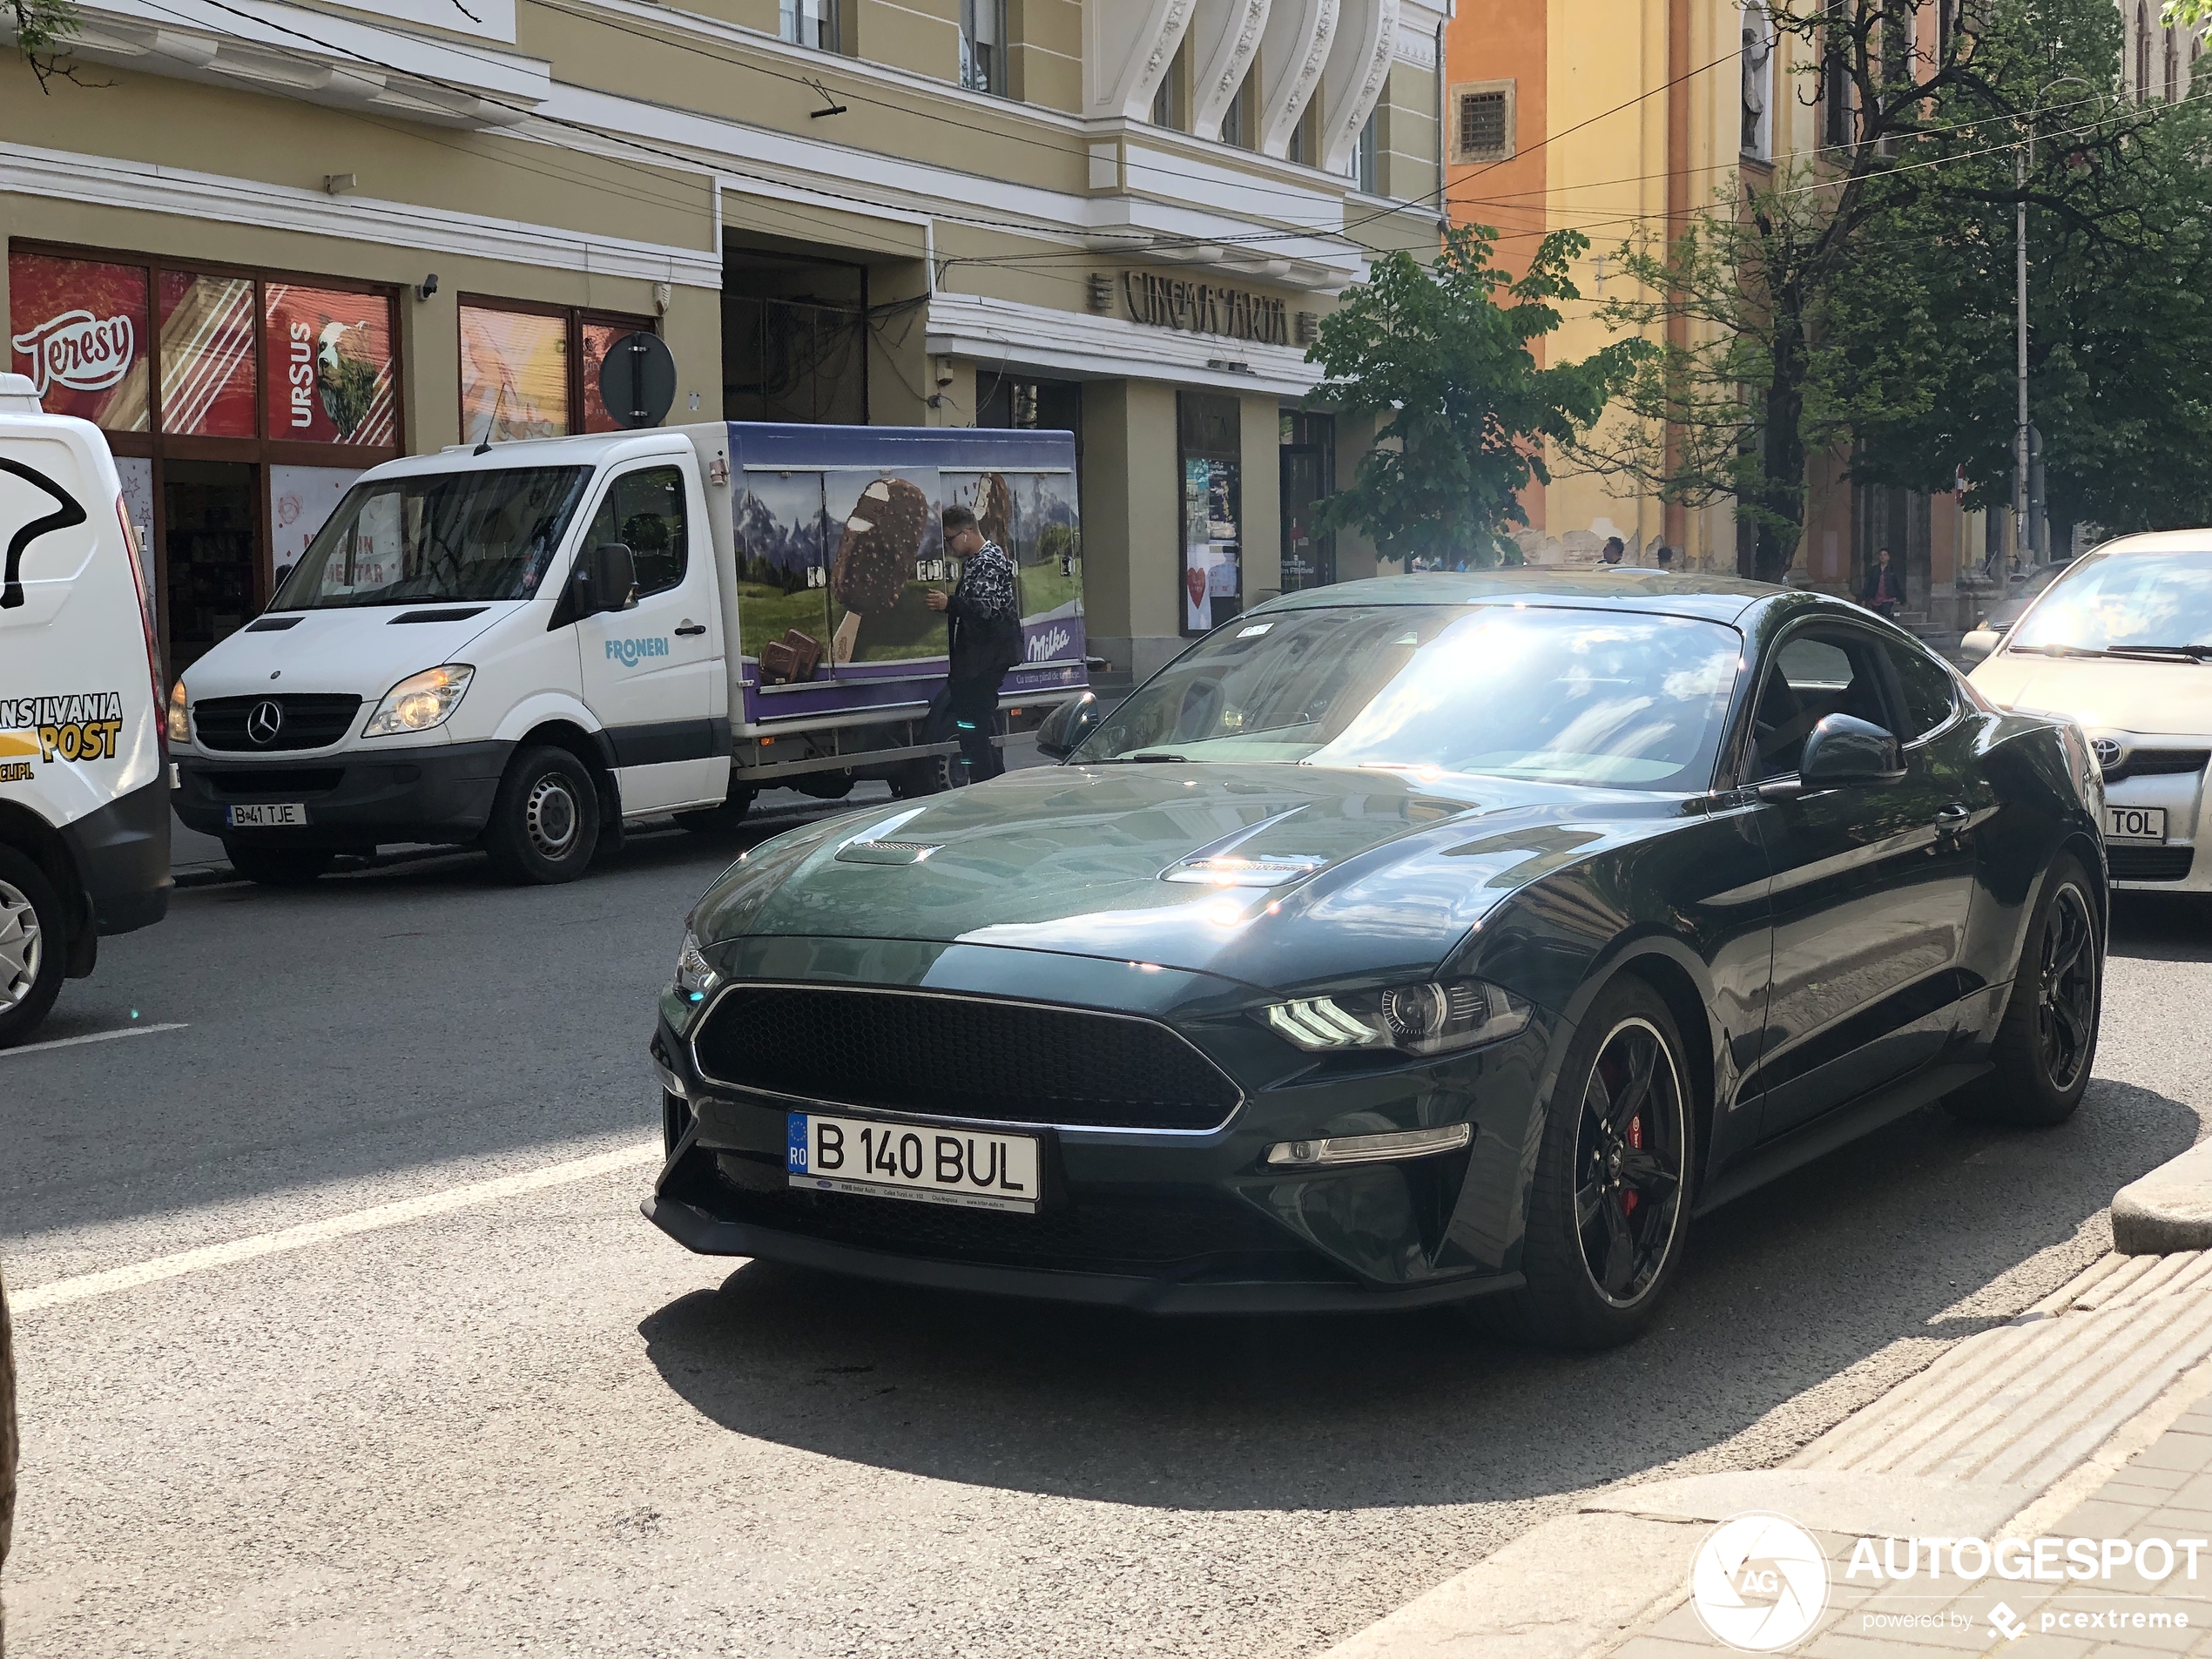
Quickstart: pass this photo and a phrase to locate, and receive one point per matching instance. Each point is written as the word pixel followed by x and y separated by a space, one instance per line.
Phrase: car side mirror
pixel 1979 644
pixel 611 576
pixel 1842 752
pixel 1067 726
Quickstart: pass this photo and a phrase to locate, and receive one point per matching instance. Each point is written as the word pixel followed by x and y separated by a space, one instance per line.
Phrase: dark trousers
pixel 974 703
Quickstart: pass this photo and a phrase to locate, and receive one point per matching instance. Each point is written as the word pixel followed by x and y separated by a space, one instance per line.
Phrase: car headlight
pixel 179 715
pixel 694 976
pixel 421 701
pixel 1424 1019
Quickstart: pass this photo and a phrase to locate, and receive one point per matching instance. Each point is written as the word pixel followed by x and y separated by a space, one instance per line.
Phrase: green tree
pixel 1469 409
pixel 41 29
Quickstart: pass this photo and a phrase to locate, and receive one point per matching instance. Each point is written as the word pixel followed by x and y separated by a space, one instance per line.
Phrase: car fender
pixel 545 708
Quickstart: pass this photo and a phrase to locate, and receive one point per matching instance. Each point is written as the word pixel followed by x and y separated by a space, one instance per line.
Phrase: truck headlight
pixel 420 701
pixel 695 977
pixel 179 715
pixel 1424 1019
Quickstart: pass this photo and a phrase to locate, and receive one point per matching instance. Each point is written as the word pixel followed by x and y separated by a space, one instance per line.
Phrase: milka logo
pixel 80 351
pixel 1046 646
pixel 631 652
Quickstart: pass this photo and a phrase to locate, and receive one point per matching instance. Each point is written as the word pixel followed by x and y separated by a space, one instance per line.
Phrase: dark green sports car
pixel 1441 938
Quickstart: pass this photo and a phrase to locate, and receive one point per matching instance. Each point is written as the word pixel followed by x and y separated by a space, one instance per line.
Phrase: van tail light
pixel 146 623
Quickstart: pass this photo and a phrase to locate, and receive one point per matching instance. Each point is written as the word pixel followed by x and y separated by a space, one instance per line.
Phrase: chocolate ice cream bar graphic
pixel 875 558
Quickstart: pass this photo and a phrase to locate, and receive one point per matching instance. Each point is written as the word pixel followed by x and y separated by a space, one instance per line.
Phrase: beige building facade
pixel 268 245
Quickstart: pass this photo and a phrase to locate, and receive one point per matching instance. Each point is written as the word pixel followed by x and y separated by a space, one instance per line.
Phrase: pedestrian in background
pixel 1666 556
pixel 1615 550
pixel 984 622
pixel 1885 588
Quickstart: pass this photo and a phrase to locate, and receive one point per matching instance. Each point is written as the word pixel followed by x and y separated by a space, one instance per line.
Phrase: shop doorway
pixel 210 547
pixel 1309 452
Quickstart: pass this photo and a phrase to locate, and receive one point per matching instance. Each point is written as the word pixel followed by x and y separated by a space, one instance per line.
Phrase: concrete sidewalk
pixel 2084 1428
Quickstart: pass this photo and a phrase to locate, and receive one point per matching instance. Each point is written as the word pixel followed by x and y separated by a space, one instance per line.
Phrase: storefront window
pixel 78 328
pixel 597 336
pixel 1308 477
pixel 206 355
pixel 1213 579
pixel 514 374
pixel 332 373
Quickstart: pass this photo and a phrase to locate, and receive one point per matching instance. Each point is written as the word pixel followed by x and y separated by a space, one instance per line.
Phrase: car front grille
pixel 2158 762
pixel 1125 1233
pixel 294 783
pixel 2149 863
pixel 312 720
pixel 961 1057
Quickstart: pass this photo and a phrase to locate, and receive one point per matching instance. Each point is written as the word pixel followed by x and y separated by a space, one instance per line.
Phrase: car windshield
pixel 2122 603
pixel 1612 698
pixel 486 534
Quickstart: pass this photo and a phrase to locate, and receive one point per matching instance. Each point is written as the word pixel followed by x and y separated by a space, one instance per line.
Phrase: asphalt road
pixel 529 1423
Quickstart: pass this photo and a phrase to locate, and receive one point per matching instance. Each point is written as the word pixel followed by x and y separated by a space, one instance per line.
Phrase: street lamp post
pixel 2026 535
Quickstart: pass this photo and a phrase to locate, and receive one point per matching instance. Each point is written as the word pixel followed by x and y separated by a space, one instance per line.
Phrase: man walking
pixel 1885 588
pixel 983 618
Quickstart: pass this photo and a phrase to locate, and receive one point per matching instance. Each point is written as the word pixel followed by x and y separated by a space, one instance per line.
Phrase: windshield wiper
pixel 2057 651
pixel 1131 759
pixel 2192 653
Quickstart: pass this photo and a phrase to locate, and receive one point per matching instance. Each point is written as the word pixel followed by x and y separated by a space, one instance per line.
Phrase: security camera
pixel 428 286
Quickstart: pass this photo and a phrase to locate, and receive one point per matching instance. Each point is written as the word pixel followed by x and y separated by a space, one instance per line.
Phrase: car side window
pixel 1930 694
pixel 644 511
pixel 1815 674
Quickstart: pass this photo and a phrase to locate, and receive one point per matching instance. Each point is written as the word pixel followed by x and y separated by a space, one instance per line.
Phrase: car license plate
pixel 974 1170
pixel 2134 823
pixel 278 815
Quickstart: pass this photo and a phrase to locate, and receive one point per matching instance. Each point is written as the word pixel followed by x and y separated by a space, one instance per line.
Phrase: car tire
pixel 1620 1141
pixel 279 866
pixel 34 946
pixel 718 820
pixel 545 823
pixel 2046 1044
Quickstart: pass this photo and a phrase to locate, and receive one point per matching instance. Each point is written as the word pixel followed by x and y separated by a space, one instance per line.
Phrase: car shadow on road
pixel 2164 927
pixel 1786 1289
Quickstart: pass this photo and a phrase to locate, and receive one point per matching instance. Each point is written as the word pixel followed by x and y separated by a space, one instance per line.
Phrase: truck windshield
pixel 481 535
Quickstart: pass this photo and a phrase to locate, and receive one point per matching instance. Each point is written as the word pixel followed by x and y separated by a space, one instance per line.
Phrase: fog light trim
pixel 1369 1149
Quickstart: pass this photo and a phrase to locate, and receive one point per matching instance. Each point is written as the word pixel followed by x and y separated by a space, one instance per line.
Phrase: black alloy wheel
pixel 1629 1163
pixel 2065 989
pixel 2047 1043
pixel 1607 1217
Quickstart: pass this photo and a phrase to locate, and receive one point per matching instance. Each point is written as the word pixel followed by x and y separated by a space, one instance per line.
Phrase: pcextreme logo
pixel 631 652
pixel 1759 1582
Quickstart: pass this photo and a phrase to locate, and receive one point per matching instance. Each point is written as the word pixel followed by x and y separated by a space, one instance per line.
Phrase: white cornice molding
pixel 1358 70
pixel 1128 47
pixel 1292 53
pixel 1095 348
pixel 107 182
pixel 1225 39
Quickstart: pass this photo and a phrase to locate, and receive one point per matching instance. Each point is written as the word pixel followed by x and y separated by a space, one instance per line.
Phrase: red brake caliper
pixel 1636 1144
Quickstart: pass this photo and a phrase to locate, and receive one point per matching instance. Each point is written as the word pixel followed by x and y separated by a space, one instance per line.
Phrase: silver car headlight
pixel 695 976
pixel 421 701
pixel 1424 1019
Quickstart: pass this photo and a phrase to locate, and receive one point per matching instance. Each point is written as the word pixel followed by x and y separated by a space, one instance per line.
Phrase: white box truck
pixel 84 793
pixel 526 645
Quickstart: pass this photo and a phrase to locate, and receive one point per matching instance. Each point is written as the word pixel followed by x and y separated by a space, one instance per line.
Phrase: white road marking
pixel 317 1232
pixel 97 1037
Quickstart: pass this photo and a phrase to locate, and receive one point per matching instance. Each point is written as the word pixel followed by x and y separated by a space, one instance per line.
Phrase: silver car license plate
pixel 2134 823
pixel 967 1168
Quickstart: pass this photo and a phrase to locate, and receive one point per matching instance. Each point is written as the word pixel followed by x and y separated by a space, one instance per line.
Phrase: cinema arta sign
pixel 1205 308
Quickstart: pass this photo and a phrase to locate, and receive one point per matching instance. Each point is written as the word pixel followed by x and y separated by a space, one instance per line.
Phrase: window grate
pixel 1482 124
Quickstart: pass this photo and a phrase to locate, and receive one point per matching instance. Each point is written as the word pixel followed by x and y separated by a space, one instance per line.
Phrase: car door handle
pixel 686 628
pixel 1952 816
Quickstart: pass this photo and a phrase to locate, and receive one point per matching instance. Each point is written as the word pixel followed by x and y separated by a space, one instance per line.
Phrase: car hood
pixel 1272 875
pixel 358 651
pixel 2161 699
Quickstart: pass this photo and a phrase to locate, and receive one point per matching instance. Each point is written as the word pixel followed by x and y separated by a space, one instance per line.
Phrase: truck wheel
pixel 718 820
pixel 279 866
pixel 545 821
pixel 33 946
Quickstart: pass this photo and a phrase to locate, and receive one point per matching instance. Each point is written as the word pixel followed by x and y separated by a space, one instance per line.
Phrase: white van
pixel 526 645
pixel 84 797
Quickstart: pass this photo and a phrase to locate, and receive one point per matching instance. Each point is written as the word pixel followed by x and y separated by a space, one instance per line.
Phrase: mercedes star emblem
pixel 2107 753
pixel 266 720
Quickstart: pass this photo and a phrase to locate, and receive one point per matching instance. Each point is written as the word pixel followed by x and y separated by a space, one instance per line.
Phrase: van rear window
pixel 478 534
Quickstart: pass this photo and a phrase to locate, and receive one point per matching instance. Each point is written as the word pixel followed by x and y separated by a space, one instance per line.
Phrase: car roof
pixel 1722 598
pixel 2198 541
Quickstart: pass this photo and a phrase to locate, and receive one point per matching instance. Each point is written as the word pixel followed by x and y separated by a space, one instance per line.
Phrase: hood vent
pixel 1233 870
pixel 272 624
pixel 462 614
pixel 886 852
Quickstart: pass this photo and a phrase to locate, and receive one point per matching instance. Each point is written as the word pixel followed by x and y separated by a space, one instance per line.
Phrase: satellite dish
pixel 637 380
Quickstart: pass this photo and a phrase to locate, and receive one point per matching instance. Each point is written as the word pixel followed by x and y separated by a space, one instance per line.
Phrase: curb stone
pixel 2168 1210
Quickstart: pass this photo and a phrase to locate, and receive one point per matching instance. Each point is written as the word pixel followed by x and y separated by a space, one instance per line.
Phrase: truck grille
pixel 2149 863
pixel 961 1057
pixel 312 720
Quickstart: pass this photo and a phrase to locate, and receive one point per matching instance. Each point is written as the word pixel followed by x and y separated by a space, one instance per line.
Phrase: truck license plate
pixel 276 815
pixel 956 1166
pixel 2134 823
